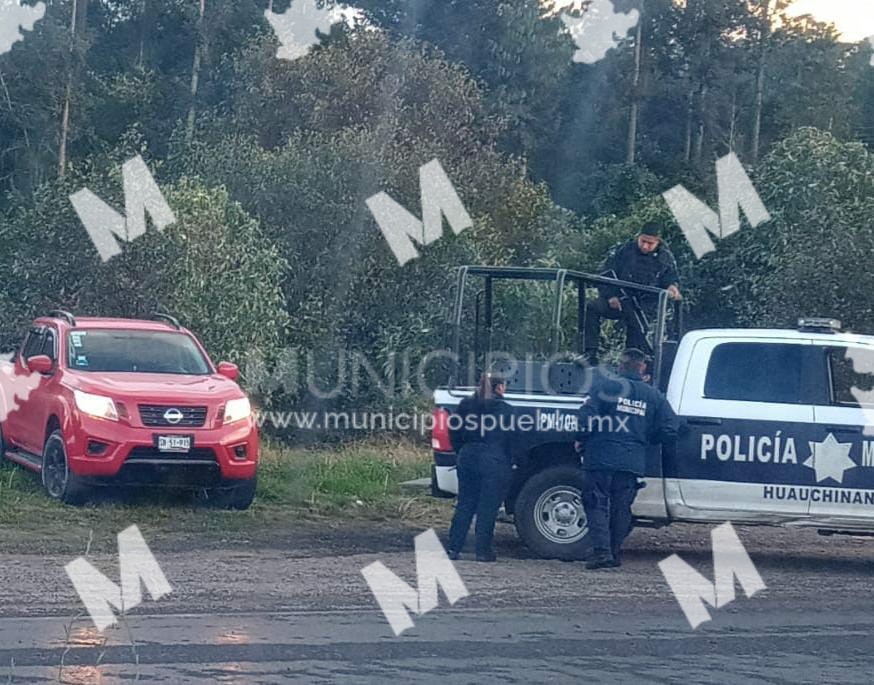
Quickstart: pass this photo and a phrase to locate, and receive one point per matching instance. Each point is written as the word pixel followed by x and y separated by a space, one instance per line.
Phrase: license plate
pixel 174 443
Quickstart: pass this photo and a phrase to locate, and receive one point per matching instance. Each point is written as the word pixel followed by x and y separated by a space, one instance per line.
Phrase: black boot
pixel 600 562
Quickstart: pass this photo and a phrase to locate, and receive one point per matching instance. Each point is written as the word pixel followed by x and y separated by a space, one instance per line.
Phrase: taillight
pixel 440 433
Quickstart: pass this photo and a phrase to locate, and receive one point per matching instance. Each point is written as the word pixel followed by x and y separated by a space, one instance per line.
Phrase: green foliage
pixel 274 247
pixel 812 258
pixel 213 268
pixel 522 56
pixel 402 109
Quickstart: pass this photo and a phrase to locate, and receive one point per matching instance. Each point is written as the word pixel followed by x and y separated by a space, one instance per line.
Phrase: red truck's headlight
pixel 95 405
pixel 237 410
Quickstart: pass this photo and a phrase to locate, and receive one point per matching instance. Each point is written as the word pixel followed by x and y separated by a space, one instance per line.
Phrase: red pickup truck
pixel 101 401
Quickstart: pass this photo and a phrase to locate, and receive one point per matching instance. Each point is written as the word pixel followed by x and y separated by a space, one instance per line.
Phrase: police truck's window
pixel 852 376
pixel 757 372
pixel 134 351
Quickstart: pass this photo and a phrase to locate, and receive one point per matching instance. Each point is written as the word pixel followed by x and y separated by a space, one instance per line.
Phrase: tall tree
pixel 78 16
pixel 764 31
pixel 199 47
pixel 634 113
pixel 522 56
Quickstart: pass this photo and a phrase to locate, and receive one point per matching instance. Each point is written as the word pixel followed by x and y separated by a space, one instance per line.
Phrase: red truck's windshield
pixel 134 352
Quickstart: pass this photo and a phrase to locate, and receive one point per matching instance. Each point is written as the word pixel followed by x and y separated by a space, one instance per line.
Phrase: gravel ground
pixel 297 609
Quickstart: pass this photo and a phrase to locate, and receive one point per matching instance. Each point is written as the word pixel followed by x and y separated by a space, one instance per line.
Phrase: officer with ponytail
pixel 480 431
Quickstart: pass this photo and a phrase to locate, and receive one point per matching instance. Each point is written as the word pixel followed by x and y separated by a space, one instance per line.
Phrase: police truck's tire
pixel 58 480
pixel 549 514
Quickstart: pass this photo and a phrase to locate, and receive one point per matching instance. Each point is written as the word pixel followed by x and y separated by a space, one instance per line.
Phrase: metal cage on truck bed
pixel 560 372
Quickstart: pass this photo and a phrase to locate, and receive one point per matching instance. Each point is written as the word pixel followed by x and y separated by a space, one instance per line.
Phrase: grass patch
pixel 294 484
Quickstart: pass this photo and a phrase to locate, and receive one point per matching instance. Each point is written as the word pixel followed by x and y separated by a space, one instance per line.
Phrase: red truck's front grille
pixel 157 415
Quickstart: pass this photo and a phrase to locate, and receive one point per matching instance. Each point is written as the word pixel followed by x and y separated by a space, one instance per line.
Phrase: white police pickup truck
pixel 776 426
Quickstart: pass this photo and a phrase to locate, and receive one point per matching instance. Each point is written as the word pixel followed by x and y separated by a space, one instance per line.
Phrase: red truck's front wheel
pixel 57 479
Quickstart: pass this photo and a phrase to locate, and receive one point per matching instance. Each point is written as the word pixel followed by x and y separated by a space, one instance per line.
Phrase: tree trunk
pixel 195 73
pixel 702 125
pixel 77 24
pixel 147 23
pixel 765 32
pixel 690 122
pixel 732 131
pixel 690 30
pixel 631 153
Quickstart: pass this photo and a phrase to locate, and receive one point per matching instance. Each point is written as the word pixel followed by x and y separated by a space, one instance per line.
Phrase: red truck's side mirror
pixel 228 370
pixel 40 364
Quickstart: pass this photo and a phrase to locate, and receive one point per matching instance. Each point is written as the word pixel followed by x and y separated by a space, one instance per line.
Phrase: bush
pixel 384 109
pixel 213 268
pixel 812 258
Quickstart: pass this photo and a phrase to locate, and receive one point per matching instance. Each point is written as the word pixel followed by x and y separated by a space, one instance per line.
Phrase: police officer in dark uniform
pixel 480 434
pixel 644 260
pixel 621 418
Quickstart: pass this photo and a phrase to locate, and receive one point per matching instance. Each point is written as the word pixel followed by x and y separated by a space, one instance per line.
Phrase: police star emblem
pixel 830 458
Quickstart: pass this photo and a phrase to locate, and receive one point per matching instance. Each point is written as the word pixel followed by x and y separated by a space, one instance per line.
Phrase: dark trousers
pixel 607 499
pixel 483 481
pixel 599 309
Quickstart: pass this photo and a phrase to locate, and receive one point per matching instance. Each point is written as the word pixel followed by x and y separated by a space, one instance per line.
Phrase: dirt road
pixel 295 609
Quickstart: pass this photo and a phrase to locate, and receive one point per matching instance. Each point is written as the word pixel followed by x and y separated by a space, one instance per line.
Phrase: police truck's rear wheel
pixel 549 514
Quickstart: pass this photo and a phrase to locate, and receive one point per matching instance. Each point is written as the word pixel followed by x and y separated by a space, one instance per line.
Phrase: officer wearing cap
pixel 645 260
pixel 620 419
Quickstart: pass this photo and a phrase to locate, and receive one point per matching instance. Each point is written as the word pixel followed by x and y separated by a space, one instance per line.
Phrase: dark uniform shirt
pixel 620 419
pixel 658 268
pixel 487 423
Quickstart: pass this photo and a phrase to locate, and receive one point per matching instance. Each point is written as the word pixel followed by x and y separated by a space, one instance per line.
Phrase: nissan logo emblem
pixel 173 415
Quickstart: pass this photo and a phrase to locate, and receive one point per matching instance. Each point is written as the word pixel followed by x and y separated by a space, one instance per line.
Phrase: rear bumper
pixel 445 459
pixel 127 450
pixel 444 481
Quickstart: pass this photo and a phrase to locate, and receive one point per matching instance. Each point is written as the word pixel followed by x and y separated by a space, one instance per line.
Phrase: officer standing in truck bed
pixel 645 260
pixel 621 418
